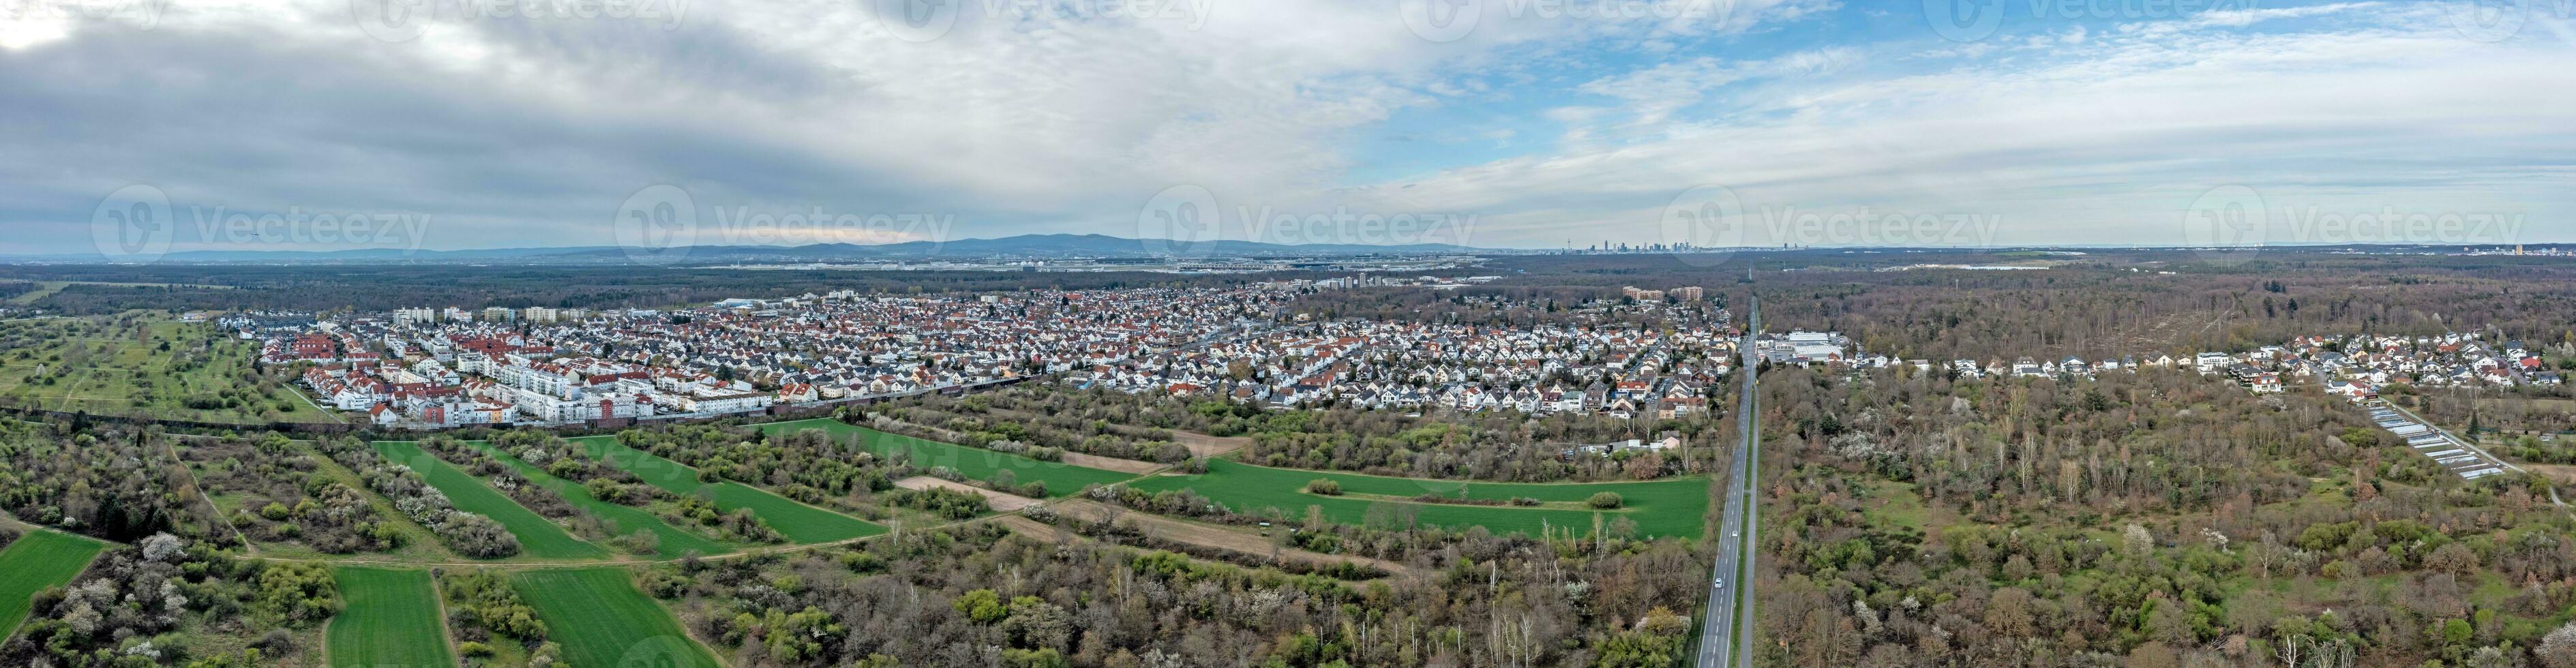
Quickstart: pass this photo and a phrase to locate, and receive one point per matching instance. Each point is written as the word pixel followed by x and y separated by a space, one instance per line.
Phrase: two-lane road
pixel 1720 644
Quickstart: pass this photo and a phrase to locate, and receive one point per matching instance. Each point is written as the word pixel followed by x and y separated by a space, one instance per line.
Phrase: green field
pixel 38 561
pixel 538 537
pixel 621 518
pixel 390 621
pixel 799 522
pixel 1659 508
pixel 602 620
pixel 141 365
pixel 1061 479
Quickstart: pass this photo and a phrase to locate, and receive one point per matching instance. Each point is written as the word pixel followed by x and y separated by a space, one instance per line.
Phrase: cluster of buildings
pixel 454 367
pixel 2353 366
pixel 449 367
pixel 1686 293
pixel 1619 371
pixel 2356 366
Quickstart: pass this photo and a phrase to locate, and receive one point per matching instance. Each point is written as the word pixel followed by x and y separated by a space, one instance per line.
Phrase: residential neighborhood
pixel 425 367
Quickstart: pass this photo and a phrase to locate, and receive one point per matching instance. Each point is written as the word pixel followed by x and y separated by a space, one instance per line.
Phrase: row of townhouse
pixel 1623 372
pixel 785 351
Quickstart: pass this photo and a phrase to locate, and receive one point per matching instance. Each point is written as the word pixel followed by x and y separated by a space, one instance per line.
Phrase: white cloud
pixel 526 131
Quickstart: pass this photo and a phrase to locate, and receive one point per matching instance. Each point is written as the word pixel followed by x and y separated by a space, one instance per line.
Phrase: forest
pixel 1494 445
pixel 2094 304
pixel 2149 520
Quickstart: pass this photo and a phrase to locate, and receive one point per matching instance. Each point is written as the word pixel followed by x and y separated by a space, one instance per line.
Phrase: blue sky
pixel 325 124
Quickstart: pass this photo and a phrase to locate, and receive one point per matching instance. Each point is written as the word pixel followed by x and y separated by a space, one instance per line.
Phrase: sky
pixel 137 127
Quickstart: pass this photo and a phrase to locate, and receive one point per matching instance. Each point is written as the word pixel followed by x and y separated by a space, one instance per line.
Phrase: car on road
pixel 1719 584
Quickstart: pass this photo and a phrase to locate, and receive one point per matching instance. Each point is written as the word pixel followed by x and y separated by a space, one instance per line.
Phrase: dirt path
pixel 1008 503
pixel 1222 538
pixel 1203 445
pixel 1111 463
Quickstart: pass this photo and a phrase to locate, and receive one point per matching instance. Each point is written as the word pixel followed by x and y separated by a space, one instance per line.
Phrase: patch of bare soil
pixel 2563 473
pixel 1008 503
pixel 1110 463
pixel 1203 445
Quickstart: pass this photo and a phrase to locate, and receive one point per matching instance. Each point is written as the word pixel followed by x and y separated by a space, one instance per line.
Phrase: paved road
pixel 1719 644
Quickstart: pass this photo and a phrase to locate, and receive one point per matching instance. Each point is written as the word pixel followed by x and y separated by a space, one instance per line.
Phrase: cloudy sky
pixel 435 124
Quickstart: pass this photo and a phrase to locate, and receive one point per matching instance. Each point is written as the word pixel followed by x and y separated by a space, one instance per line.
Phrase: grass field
pixel 141 365
pixel 799 522
pixel 1659 508
pixel 390 621
pixel 1061 479
pixel 38 561
pixel 603 620
pixel 623 519
pixel 538 537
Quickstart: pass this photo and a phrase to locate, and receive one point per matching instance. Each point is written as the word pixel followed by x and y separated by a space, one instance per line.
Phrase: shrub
pixel 1605 500
pixel 1324 486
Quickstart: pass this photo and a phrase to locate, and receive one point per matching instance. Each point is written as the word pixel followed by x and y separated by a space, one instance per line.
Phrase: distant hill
pixel 1027 246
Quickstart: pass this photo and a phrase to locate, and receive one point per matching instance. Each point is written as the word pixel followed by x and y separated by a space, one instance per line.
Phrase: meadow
pixel 1061 479
pixel 799 522
pixel 622 519
pixel 38 561
pixel 139 365
pixel 1671 507
pixel 538 537
pixel 603 620
pixel 389 620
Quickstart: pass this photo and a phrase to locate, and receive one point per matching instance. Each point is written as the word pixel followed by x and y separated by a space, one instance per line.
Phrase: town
pixel 453 367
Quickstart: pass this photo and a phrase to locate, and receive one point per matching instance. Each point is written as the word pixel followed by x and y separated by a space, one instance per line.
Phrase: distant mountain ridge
pixel 1026 246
